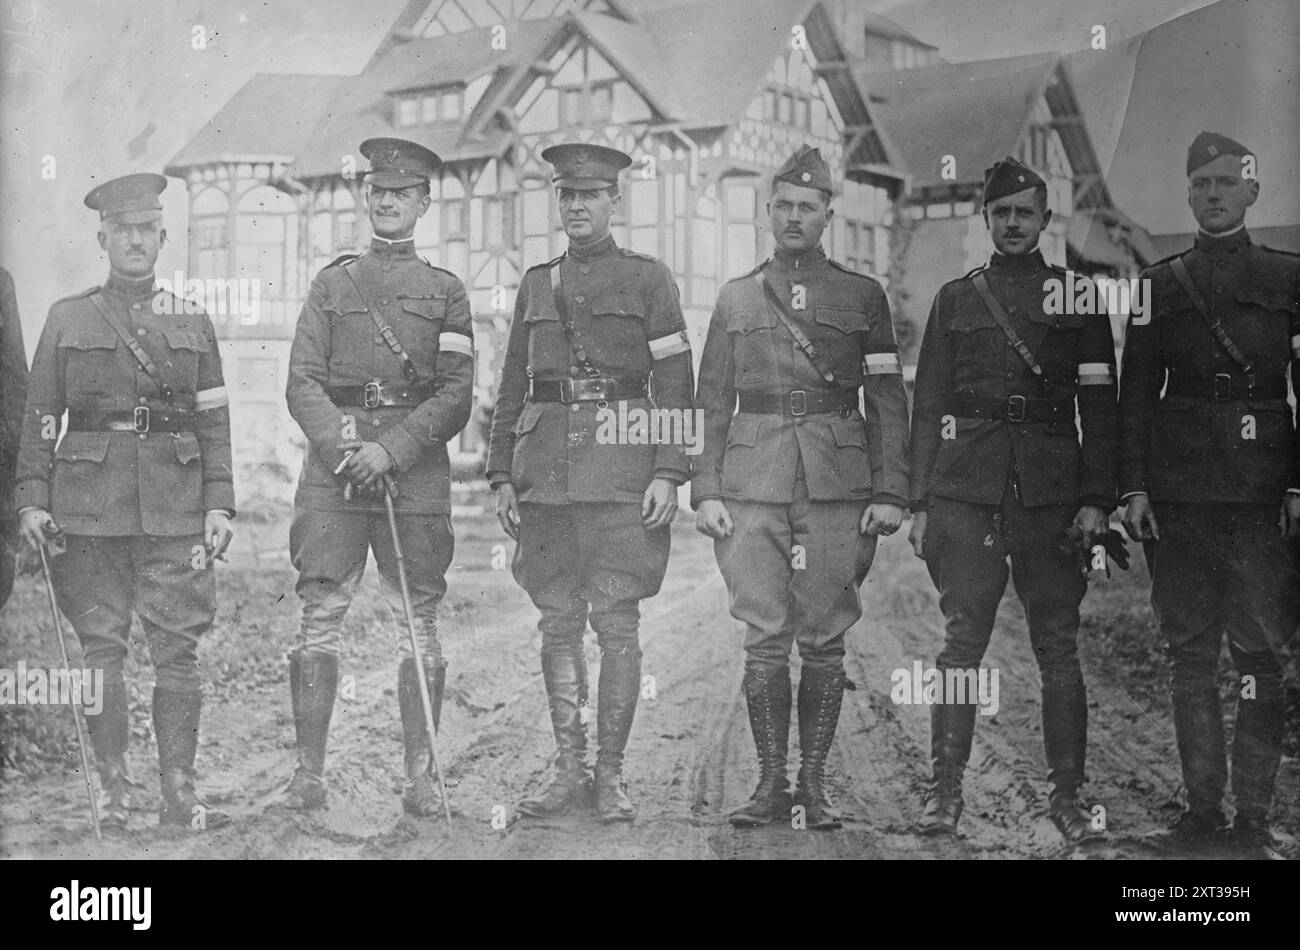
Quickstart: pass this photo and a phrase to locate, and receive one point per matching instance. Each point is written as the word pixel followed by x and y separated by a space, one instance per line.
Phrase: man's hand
pixel 883 519
pixel 714 519
pixel 1140 519
pixel 1289 521
pixel 217 533
pixel 1093 524
pixel 659 505
pixel 35 526
pixel 508 509
pixel 917 535
pixel 367 465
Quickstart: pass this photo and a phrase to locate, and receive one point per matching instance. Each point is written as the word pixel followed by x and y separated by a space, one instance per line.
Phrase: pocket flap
pixel 846 321
pixel 186 340
pixel 1267 299
pixel 849 432
pixel 618 305
pixel 428 308
pixel 528 418
pixel 747 321
pixel 187 447
pixel 971 320
pixel 1064 321
pixel 536 313
pixel 83 447
pixel 88 340
pixel 743 431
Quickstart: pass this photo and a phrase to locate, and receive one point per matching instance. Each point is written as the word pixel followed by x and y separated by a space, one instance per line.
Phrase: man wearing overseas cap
pixel 139 488
pixel 998 472
pixel 798 485
pixel 380 380
pixel 596 330
pixel 1210 474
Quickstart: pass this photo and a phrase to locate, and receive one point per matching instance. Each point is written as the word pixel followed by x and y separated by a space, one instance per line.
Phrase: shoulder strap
pixel 792 328
pixel 385 331
pixel 566 322
pixel 1216 326
pixel 1000 318
pixel 131 342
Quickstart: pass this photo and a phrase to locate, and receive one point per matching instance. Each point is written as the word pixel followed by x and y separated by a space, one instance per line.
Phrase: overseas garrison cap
pixel 585 166
pixel 807 169
pixel 1211 145
pixel 1008 177
pixel 397 163
pixel 131 199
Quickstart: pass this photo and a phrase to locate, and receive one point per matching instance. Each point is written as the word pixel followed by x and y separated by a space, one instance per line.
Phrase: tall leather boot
pixel 176 725
pixel 565 675
pixel 620 687
pixel 1065 739
pixel 1256 753
pixel 1198 725
pixel 767 694
pixel 821 693
pixel 313 683
pixel 952 728
pixel 420 796
pixel 110 734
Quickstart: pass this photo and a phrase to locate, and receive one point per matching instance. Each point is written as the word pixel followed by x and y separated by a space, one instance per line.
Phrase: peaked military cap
pixel 1208 146
pixel 131 199
pixel 585 166
pixel 397 163
pixel 1008 177
pixel 807 169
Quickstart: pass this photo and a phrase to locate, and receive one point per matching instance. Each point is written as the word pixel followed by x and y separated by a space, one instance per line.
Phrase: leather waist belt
pixel 1226 387
pixel 380 395
pixel 588 389
pixel 139 420
pixel 1012 408
pixel 800 402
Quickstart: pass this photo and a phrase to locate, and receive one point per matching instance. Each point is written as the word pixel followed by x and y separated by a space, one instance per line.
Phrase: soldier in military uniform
pixel 596 330
pixel 796 487
pixel 140 485
pixel 380 380
pixel 998 471
pixel 1205 469
pixel 13 397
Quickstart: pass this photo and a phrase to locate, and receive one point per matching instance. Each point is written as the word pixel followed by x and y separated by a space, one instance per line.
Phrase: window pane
pixel 450 105
pixel 573 107
pixel 801 113
pixel 537 207
pixel 455 212
pixel 741 203
pixel 601 104
pixel 740 249
pixel 429 108
pixel 644 201
pixel 457 258
pixel 406 111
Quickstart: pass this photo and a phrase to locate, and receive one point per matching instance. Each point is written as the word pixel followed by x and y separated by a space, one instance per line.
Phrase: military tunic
pixel 1216 457
pixel 13 397
pixel 132 504
pixel 582 547
pixel 796 483
pixel 995 487
pixel 338 344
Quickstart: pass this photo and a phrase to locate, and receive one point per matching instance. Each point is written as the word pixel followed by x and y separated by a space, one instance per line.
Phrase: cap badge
pixel 806 176
pixel 1212 149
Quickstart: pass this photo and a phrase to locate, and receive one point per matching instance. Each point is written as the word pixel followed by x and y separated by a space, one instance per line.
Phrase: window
pixel 449 106
pixel 428 108
pixel 407 111
pixel 454 211
pixel 602 100
pixel 434 105
pixel 587 106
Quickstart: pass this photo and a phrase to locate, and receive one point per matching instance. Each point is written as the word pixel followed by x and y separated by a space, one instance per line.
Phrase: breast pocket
pixel 184 347
pixel 753 345
pixel 422 319
pixel 835 338
pixel 353 338
pixel 547 347
pixel 90 364
pixel 79 473
pixel 618 332
pixel 977 340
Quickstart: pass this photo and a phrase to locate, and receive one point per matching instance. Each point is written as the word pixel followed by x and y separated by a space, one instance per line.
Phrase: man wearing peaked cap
pixel 380 380
pixel 799 468
pixel 999 474
pixel 595 332
pixel 139 487
pixel 1210 474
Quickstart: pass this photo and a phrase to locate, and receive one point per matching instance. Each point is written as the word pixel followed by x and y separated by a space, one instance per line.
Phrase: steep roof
pixel 884 26
pixel 975 112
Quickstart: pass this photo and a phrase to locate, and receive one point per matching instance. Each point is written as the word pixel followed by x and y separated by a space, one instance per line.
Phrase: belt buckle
pixel 1222 387
pixel 799 402
pixel 1016 407
pixel 140 419
pixel 370 395
pixel 597 387
pixel 567 393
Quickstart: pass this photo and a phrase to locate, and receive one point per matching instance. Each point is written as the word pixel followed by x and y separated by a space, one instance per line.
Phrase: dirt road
pixel 690 758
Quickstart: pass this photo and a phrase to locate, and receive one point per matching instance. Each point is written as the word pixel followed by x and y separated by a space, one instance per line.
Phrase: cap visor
pixel 133 217
pixel 584 184
pixel 393 180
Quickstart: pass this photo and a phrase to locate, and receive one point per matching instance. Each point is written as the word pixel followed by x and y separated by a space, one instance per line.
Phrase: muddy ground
pixel 690 758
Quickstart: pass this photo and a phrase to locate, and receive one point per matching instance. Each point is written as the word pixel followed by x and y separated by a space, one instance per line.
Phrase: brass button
pixel 375 423
pixel 584 269
pixel 378 340
pixel 574 407
pixel 135 306
pixel 574 371
pixel 141 332
pixel 388 267
pixel 580 299
pixel 383 300
pixel 143 401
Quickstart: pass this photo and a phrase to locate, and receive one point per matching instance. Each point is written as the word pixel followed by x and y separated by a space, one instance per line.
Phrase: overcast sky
pixel 111 88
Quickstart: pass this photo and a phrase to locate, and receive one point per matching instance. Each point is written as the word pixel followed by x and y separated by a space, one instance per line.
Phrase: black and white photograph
pixel 652 430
